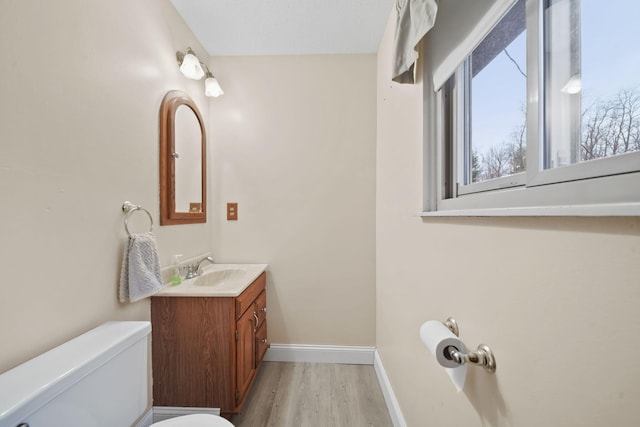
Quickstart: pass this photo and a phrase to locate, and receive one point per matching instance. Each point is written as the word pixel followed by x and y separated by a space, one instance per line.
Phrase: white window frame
pixel 602 187
pixel 463 129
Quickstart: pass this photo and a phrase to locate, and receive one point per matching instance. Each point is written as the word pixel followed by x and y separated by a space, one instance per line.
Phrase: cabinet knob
pixel 264 309
pixel 263 341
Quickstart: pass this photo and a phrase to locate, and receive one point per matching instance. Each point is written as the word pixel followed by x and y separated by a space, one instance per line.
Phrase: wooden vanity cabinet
pixel 206 351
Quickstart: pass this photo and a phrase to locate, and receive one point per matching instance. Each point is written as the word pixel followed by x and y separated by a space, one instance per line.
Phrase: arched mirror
pixel 182 161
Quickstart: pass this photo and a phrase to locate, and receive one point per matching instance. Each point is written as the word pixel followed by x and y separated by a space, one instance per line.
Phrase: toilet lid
pixel 194 420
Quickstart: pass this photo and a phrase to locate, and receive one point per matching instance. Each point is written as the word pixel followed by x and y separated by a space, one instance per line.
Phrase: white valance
pixel 415 19
pixel 462 24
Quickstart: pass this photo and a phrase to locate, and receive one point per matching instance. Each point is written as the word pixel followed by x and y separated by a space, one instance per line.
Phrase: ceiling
pixel 286 27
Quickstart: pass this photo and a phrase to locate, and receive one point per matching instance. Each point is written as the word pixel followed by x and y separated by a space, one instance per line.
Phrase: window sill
pixel 600 210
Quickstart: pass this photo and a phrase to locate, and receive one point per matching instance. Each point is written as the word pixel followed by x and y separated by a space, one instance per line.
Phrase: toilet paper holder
pixel 483 356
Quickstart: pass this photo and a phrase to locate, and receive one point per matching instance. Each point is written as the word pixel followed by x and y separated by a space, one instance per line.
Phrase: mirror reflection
pixel 188 178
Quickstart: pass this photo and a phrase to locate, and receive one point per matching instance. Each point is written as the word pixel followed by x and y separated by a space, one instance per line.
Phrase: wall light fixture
pixel 190 65
pixel 194 69
pixel 211 86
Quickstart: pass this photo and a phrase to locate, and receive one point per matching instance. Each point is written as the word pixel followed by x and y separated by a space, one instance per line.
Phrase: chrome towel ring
pixel 128 208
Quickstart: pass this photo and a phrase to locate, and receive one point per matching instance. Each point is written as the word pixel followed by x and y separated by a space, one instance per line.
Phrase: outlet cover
pixel 232 211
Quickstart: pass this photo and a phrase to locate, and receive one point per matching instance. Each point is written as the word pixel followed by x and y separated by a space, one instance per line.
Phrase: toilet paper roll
pixel 437 337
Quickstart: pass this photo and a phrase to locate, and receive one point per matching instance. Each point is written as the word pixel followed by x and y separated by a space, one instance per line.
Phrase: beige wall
pixel 295 148
pixel 293 141
pixel 81 85
pixel 556 298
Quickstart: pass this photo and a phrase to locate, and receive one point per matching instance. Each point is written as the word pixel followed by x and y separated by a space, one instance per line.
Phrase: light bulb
pixel 191 67
pixel 212 87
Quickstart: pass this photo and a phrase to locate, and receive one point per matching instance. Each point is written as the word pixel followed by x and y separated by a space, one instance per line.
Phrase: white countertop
pixel 216 280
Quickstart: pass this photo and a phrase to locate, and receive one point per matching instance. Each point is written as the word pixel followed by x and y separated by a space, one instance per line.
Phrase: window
pixel 592 83
pixel 496 109
pixel 543 115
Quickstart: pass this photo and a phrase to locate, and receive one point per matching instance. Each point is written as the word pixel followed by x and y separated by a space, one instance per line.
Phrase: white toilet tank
pixel 98 379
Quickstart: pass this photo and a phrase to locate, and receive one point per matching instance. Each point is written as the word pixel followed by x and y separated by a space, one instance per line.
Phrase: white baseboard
pixel 147 420
pixel 392 403
pixel 350 355
pixel 161 413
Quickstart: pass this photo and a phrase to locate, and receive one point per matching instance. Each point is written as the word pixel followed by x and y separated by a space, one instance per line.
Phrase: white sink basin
pixel 217 280
pixel 220 277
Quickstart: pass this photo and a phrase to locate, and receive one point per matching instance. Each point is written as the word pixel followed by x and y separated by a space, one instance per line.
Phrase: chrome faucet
pixel 196 272
pixel 193 270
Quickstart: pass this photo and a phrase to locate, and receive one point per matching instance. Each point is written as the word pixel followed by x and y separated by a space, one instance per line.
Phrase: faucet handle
pixel 190 271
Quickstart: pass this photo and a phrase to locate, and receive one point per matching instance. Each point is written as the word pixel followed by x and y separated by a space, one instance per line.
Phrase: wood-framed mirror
pixel 183 164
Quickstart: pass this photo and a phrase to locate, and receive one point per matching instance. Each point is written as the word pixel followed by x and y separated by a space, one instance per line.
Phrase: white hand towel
pixel 140 274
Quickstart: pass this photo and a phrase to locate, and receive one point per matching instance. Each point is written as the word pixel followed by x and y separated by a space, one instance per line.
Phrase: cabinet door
pixel 245 352
pixel 261 333
pixel 261 342
pixel 261 307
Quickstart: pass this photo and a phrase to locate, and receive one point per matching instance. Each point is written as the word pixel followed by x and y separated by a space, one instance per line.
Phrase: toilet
pixel 204 420
pixel 98 379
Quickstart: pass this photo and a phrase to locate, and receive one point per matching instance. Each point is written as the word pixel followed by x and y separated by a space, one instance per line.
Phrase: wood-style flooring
pixel 314 395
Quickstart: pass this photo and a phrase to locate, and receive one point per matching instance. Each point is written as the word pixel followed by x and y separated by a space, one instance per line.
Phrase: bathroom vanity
pixel 209 336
